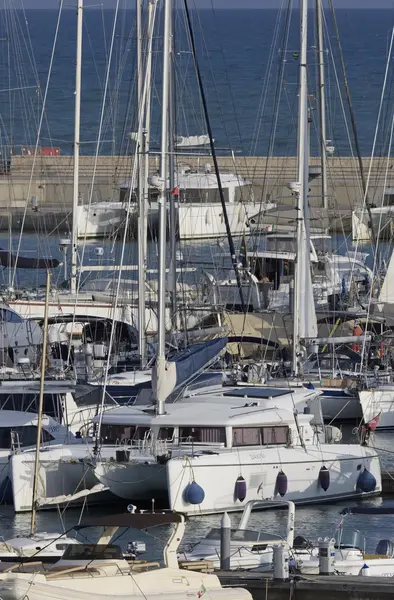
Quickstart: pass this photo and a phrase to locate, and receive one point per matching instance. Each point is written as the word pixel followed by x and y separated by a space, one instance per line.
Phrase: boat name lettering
pixel 257 456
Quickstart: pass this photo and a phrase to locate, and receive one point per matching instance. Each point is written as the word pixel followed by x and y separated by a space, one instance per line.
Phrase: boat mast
pixel 304 317
pixel 174 197
pixel 321 100
pixel 141 197
pixel 77 131
pixel 161 359
pixel 40 407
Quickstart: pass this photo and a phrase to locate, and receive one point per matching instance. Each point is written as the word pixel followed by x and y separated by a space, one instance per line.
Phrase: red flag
pixel 372 424
pixel 175 191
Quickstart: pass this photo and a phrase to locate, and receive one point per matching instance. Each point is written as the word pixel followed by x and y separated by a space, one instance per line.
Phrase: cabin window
pixel 92 552
pixel 246 436
pixel 118 434
pixel 61 546
pixel 9 316
pixel 165 433
pixel 260 436
pixel 209 435
pixel 275 435
pixel 29 403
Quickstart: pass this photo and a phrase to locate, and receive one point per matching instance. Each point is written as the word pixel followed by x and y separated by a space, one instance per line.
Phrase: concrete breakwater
pixel 49 180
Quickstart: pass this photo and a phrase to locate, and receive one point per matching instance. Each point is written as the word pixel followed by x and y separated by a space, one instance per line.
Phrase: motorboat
pixel 351 557
pixel 253 550
pixel 43 546
pixel 101 569
pixel 249 549
pixel 200 211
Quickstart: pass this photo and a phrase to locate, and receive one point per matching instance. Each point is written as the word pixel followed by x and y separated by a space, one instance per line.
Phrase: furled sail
pixel 181 367
pixel 307 322
pixel 7 259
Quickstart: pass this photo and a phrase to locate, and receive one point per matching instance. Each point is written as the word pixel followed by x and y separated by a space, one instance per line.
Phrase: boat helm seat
pixel 301 542
pixel 385 548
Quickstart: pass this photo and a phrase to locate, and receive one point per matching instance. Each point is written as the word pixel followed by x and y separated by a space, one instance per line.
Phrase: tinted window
pixel 24 436
pixel 92 552
pixel 29 402
pixel 9 316
pixel 215 435
pixel 256 436
pixel 165 433
pixel 112 434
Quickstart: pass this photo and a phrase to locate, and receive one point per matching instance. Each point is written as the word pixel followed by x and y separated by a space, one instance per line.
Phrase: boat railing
pixel 148 445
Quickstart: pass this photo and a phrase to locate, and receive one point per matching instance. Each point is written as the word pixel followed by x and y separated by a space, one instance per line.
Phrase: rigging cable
pixel 353 122
pixel 214 158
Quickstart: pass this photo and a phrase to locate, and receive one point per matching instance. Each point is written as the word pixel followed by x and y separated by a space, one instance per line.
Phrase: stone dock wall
pixel 50 180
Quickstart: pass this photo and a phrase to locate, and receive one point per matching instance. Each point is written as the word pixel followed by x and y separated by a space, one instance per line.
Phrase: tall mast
pixel 144 115
pixel 163 200
pixel 304 316
pixel 141 199
pixel 174 198
pixel 40 408
pixel 77 128
pixel 322 102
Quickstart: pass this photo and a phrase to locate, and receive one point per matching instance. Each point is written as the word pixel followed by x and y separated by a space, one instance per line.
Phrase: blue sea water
pixel 239 55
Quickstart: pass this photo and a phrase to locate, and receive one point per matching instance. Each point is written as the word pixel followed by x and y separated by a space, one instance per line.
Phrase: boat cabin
pixel 19 430
pixel 235 419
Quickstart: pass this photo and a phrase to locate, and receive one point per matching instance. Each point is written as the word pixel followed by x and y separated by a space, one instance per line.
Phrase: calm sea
pixel 239 52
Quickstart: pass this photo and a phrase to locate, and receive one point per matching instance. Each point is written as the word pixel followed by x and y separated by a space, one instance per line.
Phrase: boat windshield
pixel 92 552
pixel 350 539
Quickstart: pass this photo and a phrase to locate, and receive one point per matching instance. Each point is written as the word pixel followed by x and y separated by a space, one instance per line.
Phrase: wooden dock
pixel 335 587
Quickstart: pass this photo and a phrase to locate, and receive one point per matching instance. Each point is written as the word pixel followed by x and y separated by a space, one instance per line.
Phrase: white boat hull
pixel 100 219
pixel 217 476
pixel 64 470
pixel 376 567
pixel 171 585
pixel 378 401
pixel 127 313
pixel 217 473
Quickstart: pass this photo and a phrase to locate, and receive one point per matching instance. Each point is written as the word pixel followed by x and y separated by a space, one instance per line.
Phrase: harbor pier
pixel 335 587
pixel 49 181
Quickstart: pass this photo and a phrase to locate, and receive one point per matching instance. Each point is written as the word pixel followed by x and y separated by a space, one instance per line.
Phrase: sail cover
pixel 181 367
pixel 307 322
pixel 21 262
pixel 387 289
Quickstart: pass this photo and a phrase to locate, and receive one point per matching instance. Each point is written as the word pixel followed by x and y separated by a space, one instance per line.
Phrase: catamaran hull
pixel 64 470
pixel 217 475
pixel 137 480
